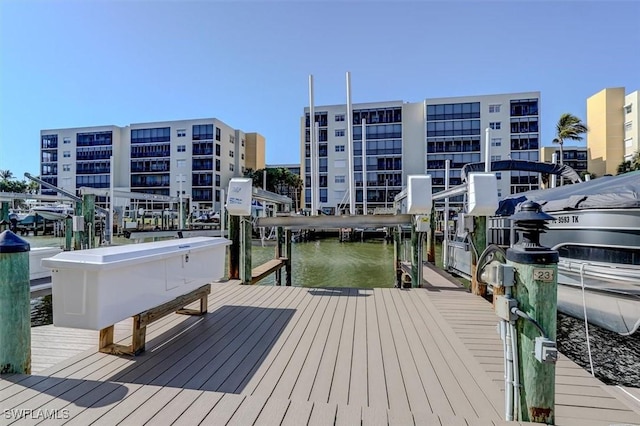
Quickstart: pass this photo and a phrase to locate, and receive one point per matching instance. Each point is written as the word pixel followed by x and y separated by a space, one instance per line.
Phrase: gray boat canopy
pixel 525 166
pixel 607 192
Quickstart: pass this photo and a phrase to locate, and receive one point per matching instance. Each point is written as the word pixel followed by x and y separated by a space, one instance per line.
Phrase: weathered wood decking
pixel 291 355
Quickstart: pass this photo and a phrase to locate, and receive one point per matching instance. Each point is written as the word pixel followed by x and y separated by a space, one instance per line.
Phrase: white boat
pixel 53 212
pixel 596 232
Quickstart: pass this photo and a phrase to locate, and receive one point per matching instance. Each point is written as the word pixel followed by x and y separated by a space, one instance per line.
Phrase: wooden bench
pixel 141 320
pixel 270 266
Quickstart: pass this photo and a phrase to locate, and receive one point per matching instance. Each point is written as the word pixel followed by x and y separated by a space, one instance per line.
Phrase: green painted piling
pixel 78 234
pixel 247 230
pixel 89 213
pixel 15 306
pixel 234 248
pixel 397 257
pixel 279 252
pixel 287 244
pixel 536 293
pixel 68 233
pixel 415 256
pixel 539 300
pixel 4 211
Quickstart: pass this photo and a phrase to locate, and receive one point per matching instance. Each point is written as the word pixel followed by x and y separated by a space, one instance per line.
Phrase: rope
pixel 586 322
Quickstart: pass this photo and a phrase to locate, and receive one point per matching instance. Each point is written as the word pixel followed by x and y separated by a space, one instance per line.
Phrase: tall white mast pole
pixel 352 193
pixel 487 150
pixel 445 239
pixel 364 165
pixel 109 220
pixel 312 162
pixel 316 150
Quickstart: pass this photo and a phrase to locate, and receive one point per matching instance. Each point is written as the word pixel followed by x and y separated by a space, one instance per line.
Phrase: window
pixel 218 149
pixel 231 154
pixel 231 168
pixel 339 132
pixel 217 165
pixel 181 163
pixel 242 142
pixel 66 154
pixel 496 157
pixel 242 156
pixel 339 148
pixel 339 179
pixel 627 126
pixel 181 133
pixel 339 117
pixel 217 134
pixel 498 175
pixel 340 164
pixel 232 139
pixel 495 125
pixel 182 148
pixel 628 109
pixel 66 140
pixel 201 132
pixel 496 141
pixel 494 108
pixel 217 180
pixel 66 167
pixel 160 134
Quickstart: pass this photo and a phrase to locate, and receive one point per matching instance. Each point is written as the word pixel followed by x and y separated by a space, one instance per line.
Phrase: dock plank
pixel 310 343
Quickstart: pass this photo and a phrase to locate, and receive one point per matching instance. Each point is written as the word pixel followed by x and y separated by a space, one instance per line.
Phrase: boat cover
pixel 527 166
pixel 607 192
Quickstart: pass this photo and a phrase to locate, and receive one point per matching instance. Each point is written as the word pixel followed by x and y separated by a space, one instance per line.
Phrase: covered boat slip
pixel 293 355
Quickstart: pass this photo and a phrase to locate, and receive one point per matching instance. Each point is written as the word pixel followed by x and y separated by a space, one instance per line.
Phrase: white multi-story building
pixel 415 138
pixel 200 156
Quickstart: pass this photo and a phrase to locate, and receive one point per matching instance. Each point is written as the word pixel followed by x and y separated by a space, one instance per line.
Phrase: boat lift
pixel 76 199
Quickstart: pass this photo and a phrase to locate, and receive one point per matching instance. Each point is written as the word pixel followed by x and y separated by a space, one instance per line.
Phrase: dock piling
pixel 536 295
pixel 15 305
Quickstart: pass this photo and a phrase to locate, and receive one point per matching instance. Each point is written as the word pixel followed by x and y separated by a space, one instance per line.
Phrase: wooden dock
pixel 269 355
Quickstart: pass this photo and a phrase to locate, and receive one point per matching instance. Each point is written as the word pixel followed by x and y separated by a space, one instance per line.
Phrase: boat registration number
pixel 545 275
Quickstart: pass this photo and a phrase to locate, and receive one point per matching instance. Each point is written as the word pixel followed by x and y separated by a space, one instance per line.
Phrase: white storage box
pixel 93 289
pixel 36 270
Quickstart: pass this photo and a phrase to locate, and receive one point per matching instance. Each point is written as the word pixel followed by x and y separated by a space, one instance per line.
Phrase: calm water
pixel 329 263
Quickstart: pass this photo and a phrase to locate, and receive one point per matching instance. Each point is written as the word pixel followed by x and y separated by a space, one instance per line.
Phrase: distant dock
pixel 294 355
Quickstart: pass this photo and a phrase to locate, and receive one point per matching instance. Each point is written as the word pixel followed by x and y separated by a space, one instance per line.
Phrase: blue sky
pixel 73 64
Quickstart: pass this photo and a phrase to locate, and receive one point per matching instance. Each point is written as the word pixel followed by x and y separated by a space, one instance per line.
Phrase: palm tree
pixel 569 127
pixel 6 174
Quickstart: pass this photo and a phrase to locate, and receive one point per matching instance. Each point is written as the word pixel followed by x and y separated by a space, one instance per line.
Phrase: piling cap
pixel 11 243
pixel 530 210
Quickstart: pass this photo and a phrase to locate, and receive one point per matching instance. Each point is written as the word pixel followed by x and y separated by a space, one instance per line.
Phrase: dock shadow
pixel 220 351
pixel 337 291
pixel 83 393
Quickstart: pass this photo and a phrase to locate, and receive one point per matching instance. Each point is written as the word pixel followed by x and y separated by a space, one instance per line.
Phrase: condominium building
pixel 403 138
pixel 197 156
pixel 613 119
pixel 575 157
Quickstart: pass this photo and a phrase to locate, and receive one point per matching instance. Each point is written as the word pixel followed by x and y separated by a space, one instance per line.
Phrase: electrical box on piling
pixel 239 197
pixel 419 194
pixel 483 194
